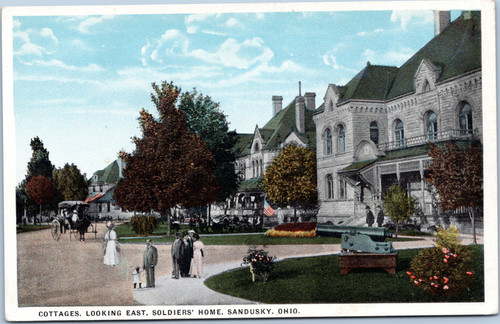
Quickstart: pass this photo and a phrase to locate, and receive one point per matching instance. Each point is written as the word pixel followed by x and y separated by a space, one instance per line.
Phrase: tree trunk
pixel 294 213
pixel 473 223
pixel 169 225
pixel 397 230
pixel 209 214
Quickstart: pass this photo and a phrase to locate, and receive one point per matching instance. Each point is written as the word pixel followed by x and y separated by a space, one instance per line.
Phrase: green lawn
pixel 318 280
pixel 21 228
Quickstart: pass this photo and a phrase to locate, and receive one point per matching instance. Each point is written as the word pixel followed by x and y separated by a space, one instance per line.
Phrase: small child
pixel 136 277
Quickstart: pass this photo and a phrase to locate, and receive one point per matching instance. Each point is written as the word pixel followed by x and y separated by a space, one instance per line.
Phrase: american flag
pixel 268 210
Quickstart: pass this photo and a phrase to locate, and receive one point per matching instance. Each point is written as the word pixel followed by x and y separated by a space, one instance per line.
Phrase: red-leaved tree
pixel 457 174
pixel 41 190
pixel 170 165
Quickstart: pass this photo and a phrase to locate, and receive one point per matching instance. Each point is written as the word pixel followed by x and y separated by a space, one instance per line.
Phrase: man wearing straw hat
pixel 149 261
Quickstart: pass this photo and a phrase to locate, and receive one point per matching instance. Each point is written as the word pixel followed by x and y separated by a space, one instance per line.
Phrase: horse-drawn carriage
pixel 72 217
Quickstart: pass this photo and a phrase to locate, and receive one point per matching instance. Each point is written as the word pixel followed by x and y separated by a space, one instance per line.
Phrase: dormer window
pixel 374 132
pixel 256 147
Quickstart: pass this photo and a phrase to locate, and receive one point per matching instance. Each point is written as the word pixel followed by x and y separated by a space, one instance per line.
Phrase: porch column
pixel 422 183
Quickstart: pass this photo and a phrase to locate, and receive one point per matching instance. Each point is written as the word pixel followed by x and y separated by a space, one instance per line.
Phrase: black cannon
pixel 358 238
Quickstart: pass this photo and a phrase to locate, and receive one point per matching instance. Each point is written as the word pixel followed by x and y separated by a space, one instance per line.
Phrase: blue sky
pixel 80 81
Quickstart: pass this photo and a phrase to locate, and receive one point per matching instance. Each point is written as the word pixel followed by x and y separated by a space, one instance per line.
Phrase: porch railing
pixel 431 137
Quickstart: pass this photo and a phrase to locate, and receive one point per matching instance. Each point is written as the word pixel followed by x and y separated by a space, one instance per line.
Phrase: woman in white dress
pixel 196 269
pixel 110 246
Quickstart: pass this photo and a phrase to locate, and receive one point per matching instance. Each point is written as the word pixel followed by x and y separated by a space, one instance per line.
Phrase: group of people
pixel 370 218
pixel 187 255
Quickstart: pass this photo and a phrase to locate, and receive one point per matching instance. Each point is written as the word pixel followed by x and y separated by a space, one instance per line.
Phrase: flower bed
pixel 294 230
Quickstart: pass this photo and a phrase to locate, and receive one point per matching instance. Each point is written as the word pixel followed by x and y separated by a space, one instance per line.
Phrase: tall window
pixel 341 138
pixel 465 119
pixel 329 186
pixel 374 132
pixel 431 126
pixel 261 168
pixel 399 133
pixel 342 189
pixel 328 141
pixel 426 87
pixel 253 169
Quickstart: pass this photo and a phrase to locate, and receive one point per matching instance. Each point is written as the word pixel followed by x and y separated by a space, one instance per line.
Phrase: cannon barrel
pixel 377 234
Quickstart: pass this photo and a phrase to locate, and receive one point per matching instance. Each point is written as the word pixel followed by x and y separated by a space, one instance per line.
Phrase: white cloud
pixel 193 21
pixel 369 33
pixel 231 53
pixel 393 57
pixel 86 25
pixel 16 24
pixel 61 65
pixel 331 60
pixel 47 32
pixel 233 22
pixel 30 49
pixel 406 17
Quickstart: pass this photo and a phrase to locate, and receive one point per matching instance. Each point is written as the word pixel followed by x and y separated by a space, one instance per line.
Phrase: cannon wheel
pixel 55 230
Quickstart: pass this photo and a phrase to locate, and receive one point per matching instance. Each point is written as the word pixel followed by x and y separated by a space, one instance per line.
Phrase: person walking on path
pixel 111 257
pixel 188 253
pixel 177 251
pixel 197 260
pixel 380 216
pixel 369 217
pixel 149 261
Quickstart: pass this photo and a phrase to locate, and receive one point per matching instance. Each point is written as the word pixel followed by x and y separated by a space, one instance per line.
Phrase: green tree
pixel 290 179
pixel 399 206
pixel 204 118
pixel 70 182
pixel 170 165
pixel 457 174
pixel 39 164
pixel 41 190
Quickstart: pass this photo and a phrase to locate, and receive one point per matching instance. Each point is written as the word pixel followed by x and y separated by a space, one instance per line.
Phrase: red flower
pixel 413 277
pixel 470 273
pixel 408 273
pixel 445 260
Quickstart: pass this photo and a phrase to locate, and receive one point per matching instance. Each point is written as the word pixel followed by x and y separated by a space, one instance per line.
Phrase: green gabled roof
pixel 251 185
pixel 243 144
pixel 107 197
pixel 283 124
pixel 456 50
pixel 372 83
pixel 110 174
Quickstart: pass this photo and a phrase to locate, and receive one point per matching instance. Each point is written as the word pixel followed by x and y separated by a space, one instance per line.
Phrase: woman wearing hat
pixel 110 246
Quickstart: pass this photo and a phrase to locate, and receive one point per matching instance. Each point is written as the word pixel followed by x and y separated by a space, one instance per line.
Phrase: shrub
pixel 294 230
pixel 143 225
pixel 260 262
pixel 445 269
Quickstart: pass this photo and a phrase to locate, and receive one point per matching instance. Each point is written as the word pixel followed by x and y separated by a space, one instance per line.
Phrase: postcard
pixel 249 160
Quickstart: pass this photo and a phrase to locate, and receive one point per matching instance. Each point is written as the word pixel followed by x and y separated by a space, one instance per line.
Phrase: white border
pixel 490 306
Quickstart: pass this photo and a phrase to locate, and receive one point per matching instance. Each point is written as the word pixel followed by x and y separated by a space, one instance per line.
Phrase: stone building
pixel 375 130
pixel 255 152
pixel 101 191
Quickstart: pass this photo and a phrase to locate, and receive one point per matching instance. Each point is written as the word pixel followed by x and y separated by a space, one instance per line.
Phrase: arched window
pixel 261 168
pixel 399 133
pixel 431 126
pixel 342 189
pixel 253 169
pixel 330 105
pixel 341 139
pixel 426 87
pixel 465 119
pixel 374 132
pixel 329 186
pixel 328 141
pixel 256 147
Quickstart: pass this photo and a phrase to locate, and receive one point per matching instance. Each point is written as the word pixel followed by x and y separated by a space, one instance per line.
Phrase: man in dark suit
pixel 149 261
pixel 177 252
pixel 370 219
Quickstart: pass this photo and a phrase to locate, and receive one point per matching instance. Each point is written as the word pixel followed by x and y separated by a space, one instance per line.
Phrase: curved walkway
pixel 192 291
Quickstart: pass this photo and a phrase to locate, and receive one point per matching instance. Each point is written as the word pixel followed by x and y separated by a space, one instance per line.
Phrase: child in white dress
pixel 136 277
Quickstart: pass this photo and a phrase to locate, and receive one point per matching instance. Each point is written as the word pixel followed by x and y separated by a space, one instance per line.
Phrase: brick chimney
pixel 277 104
pixel 310 100
pixel 300 114
pixel 441 21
